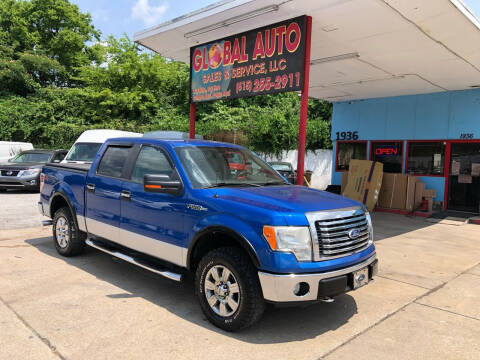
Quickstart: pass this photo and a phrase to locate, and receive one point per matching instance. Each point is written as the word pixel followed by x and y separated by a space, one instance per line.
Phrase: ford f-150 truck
pixel 176 207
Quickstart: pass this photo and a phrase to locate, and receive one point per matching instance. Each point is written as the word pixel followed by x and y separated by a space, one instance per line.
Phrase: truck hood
pixel 298 199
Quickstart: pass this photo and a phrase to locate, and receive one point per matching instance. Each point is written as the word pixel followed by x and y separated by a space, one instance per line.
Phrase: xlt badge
pixel 196 207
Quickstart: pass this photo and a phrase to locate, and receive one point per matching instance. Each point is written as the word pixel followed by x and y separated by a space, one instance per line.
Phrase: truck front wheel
pixel 69 240
pixel 228 289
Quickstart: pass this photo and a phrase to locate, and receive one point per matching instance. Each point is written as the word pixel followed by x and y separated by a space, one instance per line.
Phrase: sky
pixel 474 5
pixel 116 17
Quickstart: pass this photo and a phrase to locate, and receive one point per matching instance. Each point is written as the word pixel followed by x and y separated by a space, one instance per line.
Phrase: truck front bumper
pixel 285 288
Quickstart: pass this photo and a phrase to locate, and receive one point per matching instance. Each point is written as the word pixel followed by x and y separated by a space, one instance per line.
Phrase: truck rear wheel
pixel 228 289
pixel 69 240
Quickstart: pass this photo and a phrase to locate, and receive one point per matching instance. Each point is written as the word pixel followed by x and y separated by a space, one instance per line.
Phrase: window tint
pixel 426 158
pixel 348 151
pixel 151 161
pixel 113 161
pixel 390 154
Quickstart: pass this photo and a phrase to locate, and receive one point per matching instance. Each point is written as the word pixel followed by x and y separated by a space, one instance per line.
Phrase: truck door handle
pixel 126 195
pixel 91 187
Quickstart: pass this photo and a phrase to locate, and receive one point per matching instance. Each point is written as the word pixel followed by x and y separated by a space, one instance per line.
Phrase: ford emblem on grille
pixel 354 233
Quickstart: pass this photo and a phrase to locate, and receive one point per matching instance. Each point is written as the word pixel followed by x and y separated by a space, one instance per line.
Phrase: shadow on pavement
pixel 389 225
pixel 278 325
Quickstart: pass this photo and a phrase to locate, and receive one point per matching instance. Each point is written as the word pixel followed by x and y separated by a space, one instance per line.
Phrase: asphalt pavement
pixel 424 304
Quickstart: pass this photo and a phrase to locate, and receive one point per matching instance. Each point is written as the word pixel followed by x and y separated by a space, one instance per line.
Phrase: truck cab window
pixel 113 161
pixel 151 161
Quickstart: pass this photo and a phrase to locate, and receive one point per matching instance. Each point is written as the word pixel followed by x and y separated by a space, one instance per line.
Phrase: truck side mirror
pixel 162 184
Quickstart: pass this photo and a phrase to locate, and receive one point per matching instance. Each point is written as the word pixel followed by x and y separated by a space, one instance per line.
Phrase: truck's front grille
pixel 342 236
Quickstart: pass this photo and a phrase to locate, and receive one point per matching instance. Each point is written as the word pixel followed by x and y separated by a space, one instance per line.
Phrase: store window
pixel 426 158
pixel 390 154
pixel 347 151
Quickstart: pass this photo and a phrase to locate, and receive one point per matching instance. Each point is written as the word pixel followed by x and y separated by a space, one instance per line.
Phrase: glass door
pixel 464 177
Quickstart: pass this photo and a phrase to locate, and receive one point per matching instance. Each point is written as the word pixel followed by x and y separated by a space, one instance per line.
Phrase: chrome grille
pixel 9 172
pixel 334 238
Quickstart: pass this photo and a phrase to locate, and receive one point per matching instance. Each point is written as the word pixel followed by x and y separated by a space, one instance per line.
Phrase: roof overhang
pixel 360 48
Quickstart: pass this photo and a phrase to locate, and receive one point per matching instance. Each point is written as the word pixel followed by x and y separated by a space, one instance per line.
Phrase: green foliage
pixel 54 84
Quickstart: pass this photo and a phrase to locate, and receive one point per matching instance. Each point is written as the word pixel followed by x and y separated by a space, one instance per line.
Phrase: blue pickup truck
pixel 176 207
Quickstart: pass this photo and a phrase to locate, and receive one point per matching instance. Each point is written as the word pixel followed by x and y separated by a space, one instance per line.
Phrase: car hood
pixel 292 198
pixel 21 166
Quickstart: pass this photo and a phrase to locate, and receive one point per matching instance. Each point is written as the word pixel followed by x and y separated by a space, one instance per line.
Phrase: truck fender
pixel 244 243
pixel 65 197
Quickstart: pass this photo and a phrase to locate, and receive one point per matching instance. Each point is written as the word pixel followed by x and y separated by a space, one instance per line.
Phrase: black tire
pixel 251 304
pixel 73 243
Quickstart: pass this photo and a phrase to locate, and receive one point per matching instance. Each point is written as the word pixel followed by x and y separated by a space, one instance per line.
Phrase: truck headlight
pixel 294 239
pixel 29 172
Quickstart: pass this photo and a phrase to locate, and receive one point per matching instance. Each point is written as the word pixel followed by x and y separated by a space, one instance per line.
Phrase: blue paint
pixel 417 117
pixel 435 183
pixel 437 116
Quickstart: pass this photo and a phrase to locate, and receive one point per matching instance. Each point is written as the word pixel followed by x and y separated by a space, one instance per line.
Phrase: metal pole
pixel 302 127
pixel 192 120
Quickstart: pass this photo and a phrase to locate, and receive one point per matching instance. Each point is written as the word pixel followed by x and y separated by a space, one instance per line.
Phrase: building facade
pixel 435 136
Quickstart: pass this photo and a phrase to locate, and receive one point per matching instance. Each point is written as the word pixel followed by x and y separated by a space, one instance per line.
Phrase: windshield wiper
pixel 275 183
pixel 224 184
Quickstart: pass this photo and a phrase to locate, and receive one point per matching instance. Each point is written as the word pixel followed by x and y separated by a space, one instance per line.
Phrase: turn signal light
pixel 153 186
pixel 269 234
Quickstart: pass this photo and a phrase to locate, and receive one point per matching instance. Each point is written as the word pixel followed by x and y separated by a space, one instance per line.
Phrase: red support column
pixel 192 120
pixel 302 127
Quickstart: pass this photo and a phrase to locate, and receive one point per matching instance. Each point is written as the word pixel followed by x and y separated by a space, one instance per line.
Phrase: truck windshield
pixel 213 166
pixel 83 152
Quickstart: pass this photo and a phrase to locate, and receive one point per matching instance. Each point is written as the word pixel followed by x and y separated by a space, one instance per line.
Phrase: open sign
pixel 386 150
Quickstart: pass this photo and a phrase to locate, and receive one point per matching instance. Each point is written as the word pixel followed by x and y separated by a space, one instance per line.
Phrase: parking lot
pixel 424 304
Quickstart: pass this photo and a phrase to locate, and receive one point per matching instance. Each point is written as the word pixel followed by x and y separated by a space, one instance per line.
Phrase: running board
pixel 168 274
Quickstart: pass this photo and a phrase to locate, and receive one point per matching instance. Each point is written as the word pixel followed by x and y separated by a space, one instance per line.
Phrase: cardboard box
pixel 344 181
pixel 412 182
pixel 419 188
pixel 393 194
pixel 364 182
pixel 429 193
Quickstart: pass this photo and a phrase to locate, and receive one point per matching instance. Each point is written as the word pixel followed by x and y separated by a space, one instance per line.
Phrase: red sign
pixel 386 150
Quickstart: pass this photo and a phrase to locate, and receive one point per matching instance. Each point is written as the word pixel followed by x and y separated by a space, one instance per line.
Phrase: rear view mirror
pixel 162 184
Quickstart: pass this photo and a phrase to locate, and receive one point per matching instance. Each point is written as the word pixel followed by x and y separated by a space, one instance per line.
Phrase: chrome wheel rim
pixel 222 291
pixel 62 231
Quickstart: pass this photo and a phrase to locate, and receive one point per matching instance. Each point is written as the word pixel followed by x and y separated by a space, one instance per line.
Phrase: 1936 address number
pixel 347 135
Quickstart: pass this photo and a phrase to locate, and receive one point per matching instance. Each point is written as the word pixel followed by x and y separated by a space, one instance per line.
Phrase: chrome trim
pixel 279 288
pixel 167 274
pixel 150 246
pixel 333 214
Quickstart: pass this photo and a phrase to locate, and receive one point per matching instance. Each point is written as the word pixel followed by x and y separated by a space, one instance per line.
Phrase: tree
pixel 55 84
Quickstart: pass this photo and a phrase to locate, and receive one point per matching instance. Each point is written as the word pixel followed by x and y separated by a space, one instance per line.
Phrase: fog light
pixel 301 289
pixel 33 182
